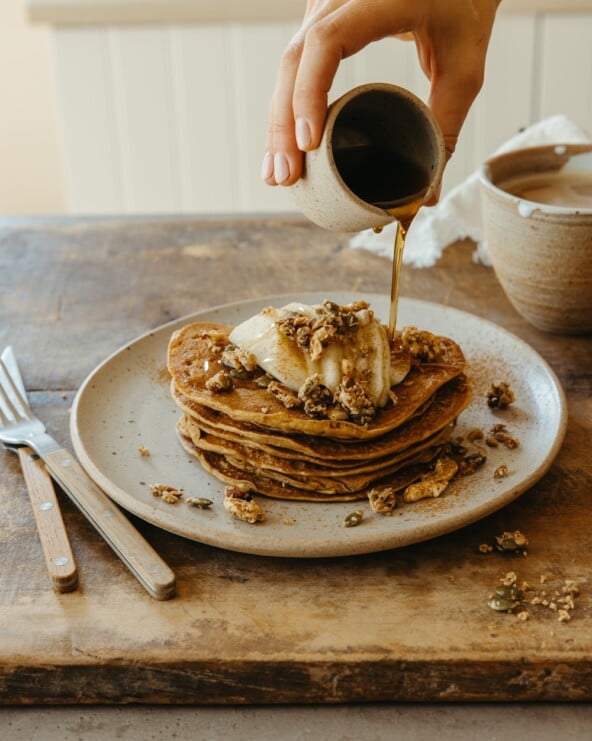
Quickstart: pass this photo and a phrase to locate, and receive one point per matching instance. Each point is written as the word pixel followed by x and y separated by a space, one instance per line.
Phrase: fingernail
pixel 303 134
pixel 267 166
pixel 281 169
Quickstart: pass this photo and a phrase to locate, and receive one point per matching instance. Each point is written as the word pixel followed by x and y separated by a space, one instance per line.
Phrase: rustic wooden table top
pixel 408 624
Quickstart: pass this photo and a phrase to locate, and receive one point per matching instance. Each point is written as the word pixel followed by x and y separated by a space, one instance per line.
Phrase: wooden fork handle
pixel 135 552
pixel 55 543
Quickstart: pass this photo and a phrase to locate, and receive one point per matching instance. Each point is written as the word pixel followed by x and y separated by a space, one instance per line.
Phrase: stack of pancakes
pixel 248 438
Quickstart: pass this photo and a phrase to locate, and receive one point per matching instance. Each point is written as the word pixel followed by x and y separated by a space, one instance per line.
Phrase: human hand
pixel 451 37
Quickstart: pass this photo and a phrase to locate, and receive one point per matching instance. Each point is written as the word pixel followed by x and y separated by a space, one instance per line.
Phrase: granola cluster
pixel 168 494
pixel 423 346
pixel 500 395
pixel 383 500
pixel 241 505
pixel 352 393
pixel 331 323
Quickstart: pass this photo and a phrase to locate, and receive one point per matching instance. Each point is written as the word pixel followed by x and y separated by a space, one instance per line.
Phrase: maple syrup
pixel 403 215
pixel 387 180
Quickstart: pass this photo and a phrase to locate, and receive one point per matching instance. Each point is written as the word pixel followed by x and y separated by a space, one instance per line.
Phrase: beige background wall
pixel 111 115
pixel 31 178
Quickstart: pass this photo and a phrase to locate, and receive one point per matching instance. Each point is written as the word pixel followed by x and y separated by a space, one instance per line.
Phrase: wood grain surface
pixel 409 624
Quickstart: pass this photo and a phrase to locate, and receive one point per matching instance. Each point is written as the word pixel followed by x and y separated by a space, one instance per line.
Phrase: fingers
pixel 283 160
pixel 330 39
pixel 451 98
pixel 452 48
pixel 333 30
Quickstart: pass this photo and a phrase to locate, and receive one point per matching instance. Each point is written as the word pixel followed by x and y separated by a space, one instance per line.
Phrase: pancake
pixel 328 427
pixel 444 407
pixel 194 359
pixel 248 458
pixel 222 469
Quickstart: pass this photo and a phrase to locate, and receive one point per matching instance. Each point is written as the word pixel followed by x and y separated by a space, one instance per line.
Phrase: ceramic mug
pixel 381 148
pixel 537 222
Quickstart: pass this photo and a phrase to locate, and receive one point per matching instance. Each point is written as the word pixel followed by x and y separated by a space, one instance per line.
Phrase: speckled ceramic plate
pixel 125 403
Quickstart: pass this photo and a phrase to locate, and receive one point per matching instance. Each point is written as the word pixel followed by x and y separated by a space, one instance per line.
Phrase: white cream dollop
pixel 367 349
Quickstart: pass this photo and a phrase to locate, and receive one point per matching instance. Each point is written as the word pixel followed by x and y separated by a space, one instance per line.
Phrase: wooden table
pixel 410 624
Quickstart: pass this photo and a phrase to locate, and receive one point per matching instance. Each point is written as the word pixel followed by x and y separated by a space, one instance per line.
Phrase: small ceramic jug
pixel 381 149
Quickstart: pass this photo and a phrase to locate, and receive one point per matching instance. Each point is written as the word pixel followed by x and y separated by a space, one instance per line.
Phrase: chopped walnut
pixel 240 504
pixel 285 395
pixel 382 500
pixel 221 381
pixel 423 346
pixel 470 463
pixel 509 579
pixel 485 548
pixel 143 451
pixel 500 434
pixel 474 434
pixel 168 494
pixel 514 542
pixel 500 395
pixel 433 483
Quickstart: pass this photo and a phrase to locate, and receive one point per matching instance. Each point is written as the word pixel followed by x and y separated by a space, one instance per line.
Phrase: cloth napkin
pixel 458 214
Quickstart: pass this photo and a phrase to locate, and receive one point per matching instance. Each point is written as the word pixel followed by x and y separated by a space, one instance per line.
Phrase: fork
pixel 53 537
pixel 19 426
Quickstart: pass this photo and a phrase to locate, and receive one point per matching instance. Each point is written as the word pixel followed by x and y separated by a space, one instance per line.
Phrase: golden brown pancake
pixel 223 469
pixel 193 359
pixel 445 406
pixel 248 458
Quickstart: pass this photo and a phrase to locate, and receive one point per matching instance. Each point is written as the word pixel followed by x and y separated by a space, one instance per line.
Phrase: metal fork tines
pixel 19 426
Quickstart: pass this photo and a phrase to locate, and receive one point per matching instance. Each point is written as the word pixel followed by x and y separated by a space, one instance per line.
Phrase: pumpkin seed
pixel 199 502
pixel 353 519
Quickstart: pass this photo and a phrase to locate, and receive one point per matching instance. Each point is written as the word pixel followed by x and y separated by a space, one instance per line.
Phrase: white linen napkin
pixel 458 214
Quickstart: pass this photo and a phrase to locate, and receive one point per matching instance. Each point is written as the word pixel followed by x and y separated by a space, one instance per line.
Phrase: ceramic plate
pixel 125 403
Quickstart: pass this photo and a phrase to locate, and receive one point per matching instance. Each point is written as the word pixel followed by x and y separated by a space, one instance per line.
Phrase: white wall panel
pixel 92 161
pixel 148 118
pixel 566 67
pixel 256 51
pixel 203 84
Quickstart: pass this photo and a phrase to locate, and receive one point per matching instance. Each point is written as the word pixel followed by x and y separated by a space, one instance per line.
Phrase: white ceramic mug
pixel 391 124
pixel 537 222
